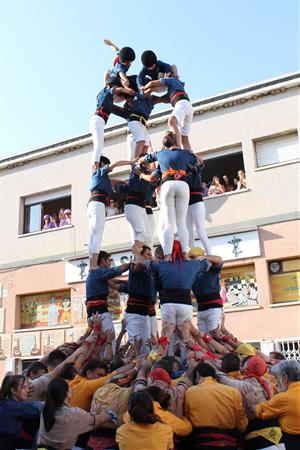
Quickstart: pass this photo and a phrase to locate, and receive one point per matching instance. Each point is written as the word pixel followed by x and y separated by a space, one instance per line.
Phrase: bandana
pixel 161 375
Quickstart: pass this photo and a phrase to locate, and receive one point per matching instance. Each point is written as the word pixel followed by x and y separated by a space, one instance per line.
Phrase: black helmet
pixel 127 54
pixel 148 58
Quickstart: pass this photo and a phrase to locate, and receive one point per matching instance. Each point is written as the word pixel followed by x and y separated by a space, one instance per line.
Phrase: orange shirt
pixel 84 389
pixel 211 404
pixel 286 407
pixel 138 436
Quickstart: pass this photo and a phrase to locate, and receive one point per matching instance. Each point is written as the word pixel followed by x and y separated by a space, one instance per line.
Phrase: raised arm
pixel 111 44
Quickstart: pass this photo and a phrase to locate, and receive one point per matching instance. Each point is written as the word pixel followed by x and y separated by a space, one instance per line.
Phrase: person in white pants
pixel 173 165
pixel 181 118
pixel 105 107
pixel 141 295
pixel 207 292
pixel 196 209
pixel 176 279
pixel 100 190
pixel 97 289
pixel 135 210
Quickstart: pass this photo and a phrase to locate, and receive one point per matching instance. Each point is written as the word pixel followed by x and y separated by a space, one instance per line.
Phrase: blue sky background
pixel 53 58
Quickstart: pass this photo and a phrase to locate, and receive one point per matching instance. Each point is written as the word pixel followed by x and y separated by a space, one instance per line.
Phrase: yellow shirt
pixel 236 375
pixel 83 390
pixel 181 427
pixel 211 404
pixel 137 436
pixel 286 407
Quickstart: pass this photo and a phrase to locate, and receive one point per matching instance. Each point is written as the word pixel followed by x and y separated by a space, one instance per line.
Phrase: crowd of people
pixel 98 394
pixel 55 221
pixel 221 185
pixel 178 387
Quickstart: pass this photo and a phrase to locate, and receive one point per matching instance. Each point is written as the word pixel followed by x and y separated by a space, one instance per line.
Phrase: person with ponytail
pixel 60 423
pixel 14 410
pixel 145 430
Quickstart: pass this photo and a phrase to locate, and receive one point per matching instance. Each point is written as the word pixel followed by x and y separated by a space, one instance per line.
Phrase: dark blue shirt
pixel 206 289
pixel 105 100
pixel 97 282
pixel 142 285
pixel 142 105
pixel 137 185
pixel 173 84
pixel 147 75
pixel 100 180
pixel 177 159
pixel 179 275
pixel 12 414
pixel 194 181
pixel 194 178
pixel 114 77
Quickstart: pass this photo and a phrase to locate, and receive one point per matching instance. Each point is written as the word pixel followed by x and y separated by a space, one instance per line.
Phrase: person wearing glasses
pixel 111 209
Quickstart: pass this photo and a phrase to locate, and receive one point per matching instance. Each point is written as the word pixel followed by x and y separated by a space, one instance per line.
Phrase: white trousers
pixel 96 216
pixel 196 216
pixel 150 229
pixel 136 217
pixel 97 125
pixel 176 313
pixel 209 320
pixel 107 324
pixel 153 325
pixel 183 111
pixel 139 131
pixel 130 147
pixel 138 327
pixel 174 203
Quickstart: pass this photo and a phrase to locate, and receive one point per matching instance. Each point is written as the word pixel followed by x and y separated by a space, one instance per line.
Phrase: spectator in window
pixel 46 224
pixel 52 223
pixel 111 209
pixel 204 189
pixel 242 182
pixel 216 187
pixel 227 184
pixel 66 220
pixel 61 215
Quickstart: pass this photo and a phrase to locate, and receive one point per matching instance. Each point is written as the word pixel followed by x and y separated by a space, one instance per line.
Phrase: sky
pixel 53 58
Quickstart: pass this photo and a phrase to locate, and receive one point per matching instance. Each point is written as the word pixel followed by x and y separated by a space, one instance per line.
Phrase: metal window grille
pixel 290 348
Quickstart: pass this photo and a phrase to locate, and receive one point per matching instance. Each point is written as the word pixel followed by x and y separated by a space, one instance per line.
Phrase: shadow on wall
pixel 212 206
pixel 267 236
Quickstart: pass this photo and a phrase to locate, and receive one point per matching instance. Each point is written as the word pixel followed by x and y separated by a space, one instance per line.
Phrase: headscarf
pixel 161 375
pixel 196 251
pixel 245 350
pixel 256 368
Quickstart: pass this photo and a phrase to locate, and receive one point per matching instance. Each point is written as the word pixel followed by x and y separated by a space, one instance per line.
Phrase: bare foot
pixel 168 258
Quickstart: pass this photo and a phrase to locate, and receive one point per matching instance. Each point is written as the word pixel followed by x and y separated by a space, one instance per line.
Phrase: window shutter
pixel 277 149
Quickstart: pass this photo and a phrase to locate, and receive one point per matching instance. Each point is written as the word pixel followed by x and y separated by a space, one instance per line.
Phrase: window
pixel 285 280
pixel 47 211
pixel 239 287
pixel 289 348
pixel 277 149
pixel 224 162
pixel 45 310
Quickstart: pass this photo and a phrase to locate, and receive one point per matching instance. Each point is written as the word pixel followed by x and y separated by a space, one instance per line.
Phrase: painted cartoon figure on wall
pixel 52 312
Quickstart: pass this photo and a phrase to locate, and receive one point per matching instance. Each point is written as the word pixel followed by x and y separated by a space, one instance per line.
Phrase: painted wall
pixel 268 193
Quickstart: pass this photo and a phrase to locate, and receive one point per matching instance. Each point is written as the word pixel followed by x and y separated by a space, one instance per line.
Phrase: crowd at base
pixel 218 396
